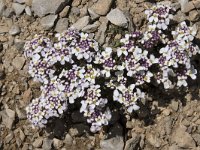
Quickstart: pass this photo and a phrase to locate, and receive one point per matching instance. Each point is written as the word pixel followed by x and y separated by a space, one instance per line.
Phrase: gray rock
pixel 186 6
pixel 47 144
pixel 132 143
pixel 73 132
pixel 18 62
pixel 197 3
pixel 93 15
pixel 176 5
pixel 48 21
pixel 117 17
pixel 18 8
pixel 194 15
pixel 92 27
pixel 115 143
pixel 168 124
pixel 101 7
pixel 182 138
pixel 20 113
pixel 174 147
pixel 64 12
pixel 19 44
pixel 196 138
pixel 2 6
pixel 4 29
pixel 62 25
pixel 20 1
pixel 68 140
pixel 8 117
pixel 179 17
pixel 75 11
pixel 8 12
pixel 38 142
pixel 1 47
pixel 28 11
pixel 21 135
pixel 2 74
pixel 57 143
pixel 9 137
pixel 153 139
pixel 14 30
pixel 100 36
pixel 174 105
pixel 139 1
pixel 44 7
pixel 75 3
pixel 81 23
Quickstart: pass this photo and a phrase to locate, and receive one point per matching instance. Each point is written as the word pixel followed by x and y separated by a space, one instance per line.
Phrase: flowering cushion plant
pixel 74 67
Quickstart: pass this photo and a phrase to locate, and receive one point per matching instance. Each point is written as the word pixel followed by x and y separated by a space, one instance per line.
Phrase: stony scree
pixel 117 17
pixel 45 7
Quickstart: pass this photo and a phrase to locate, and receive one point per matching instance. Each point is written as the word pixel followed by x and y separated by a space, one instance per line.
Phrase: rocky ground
pixel 165 121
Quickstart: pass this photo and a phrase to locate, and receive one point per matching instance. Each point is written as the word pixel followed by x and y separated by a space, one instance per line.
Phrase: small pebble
pixel 14 30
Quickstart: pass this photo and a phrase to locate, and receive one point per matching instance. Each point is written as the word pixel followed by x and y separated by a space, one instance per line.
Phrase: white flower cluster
pixel 66 73
pixel 74 67
pixel 92 108
pixel 175 59
pixel 159 16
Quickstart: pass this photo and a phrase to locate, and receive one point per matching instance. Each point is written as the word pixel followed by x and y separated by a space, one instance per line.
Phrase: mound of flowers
pixel 73 67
